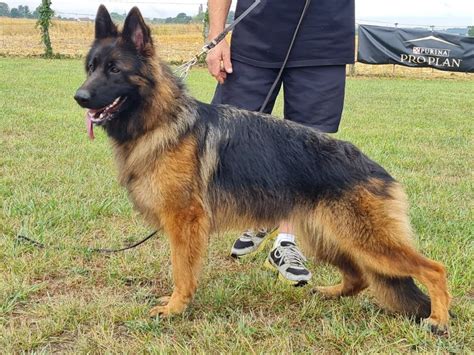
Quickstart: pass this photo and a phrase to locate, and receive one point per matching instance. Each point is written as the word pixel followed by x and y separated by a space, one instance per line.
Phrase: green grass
pixel 60 188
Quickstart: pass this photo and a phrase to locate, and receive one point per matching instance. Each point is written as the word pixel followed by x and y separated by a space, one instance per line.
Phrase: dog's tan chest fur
pixel 158 181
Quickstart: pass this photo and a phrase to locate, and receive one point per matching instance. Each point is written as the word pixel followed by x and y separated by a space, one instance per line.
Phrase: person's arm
pixel 218 11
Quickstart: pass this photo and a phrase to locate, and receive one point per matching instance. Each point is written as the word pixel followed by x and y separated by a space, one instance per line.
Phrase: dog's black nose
pixel 82 97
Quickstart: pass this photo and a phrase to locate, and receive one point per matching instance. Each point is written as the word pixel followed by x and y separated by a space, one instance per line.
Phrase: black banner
pixel 415 48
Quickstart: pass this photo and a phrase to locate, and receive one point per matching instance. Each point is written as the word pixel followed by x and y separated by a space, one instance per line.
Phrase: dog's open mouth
pixel 102 115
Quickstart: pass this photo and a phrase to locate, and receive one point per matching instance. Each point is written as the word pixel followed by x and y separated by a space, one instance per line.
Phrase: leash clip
pixel 183 70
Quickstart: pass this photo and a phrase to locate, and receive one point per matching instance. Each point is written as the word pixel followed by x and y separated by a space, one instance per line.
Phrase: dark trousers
pixel 313 96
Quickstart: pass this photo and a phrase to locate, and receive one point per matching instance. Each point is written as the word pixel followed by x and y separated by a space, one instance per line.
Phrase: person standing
pixel 313 81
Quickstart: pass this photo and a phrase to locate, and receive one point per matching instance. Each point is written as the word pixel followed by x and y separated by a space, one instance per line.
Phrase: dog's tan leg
pixel 407 262
pixel 433 276
pixel 384 247
pixel 188 233
pixel 353 280
pixel 373 230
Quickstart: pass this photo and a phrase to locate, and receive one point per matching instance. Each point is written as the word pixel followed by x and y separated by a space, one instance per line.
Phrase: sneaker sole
pixel 269 236
pixel 281 278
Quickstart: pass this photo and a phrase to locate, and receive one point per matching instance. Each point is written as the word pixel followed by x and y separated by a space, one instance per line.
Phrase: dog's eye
pixel 113 68
pixel 92 65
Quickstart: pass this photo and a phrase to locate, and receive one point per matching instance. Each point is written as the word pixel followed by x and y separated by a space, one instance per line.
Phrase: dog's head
pixel 119 69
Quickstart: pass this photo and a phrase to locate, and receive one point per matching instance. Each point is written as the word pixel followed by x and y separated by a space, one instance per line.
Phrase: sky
pixel 442 13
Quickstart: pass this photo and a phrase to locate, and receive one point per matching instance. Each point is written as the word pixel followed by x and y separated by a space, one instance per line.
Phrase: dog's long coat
pixel 192 168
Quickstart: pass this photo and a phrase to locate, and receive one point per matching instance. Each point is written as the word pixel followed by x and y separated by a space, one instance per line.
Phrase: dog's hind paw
pixel 328 292
pixel 436 327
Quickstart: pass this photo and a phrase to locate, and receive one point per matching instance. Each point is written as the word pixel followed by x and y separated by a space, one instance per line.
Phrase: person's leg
pixel 314 96
pixel 286 258
pixel 285 233
pixel 247 87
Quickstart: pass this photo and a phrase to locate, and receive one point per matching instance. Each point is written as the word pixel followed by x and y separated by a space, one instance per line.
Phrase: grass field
pixel 60 188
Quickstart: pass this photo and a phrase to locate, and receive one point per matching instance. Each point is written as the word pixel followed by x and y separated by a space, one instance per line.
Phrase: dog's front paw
pixel 167 306
pixel 164 300
pixel 162 311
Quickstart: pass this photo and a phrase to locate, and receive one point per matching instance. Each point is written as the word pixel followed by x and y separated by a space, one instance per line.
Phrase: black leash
pixel 290 47
pixel 92 250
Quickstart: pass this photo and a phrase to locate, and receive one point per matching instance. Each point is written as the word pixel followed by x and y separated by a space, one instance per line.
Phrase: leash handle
pixel 215 41
pixel 183 70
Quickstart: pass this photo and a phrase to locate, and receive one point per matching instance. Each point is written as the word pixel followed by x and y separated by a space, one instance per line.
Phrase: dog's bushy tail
pixel 400 294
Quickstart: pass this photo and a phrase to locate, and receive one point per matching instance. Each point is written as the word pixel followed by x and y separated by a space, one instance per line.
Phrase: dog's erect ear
pixel 136 31
pixel 104 27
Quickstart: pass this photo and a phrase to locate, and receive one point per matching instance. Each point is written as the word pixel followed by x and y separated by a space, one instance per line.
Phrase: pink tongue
pixel 89 125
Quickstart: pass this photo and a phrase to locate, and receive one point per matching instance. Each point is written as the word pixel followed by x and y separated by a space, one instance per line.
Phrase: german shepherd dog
pixel 191 169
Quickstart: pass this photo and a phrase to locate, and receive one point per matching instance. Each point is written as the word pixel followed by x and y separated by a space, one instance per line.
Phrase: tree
pixel 4 9
pixel 205 25
pixel 44 21
pixel 180 18
pixel 15 13
pixel 117 17
pixel 36 12
pixel 470 31
pixel 199 18
pixel 24 11
pixel 183 18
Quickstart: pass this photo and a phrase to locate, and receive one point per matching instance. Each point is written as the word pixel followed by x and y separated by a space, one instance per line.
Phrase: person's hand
pixel 218 61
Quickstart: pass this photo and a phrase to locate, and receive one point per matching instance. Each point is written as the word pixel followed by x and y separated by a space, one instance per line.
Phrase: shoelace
pixel 247 237
pixel 250 234
pixel 291 255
